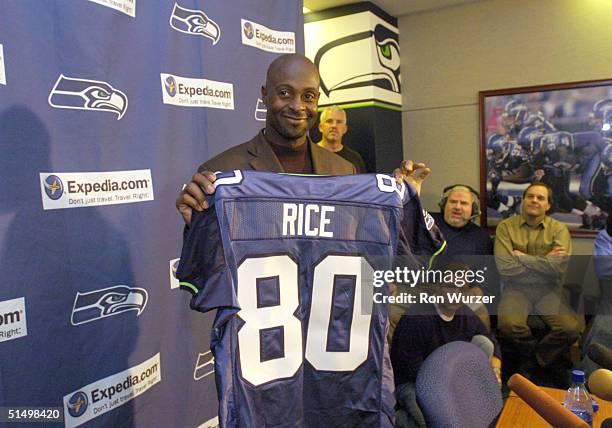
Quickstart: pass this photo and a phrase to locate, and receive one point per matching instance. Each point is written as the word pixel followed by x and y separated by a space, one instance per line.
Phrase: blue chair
pixel 456 387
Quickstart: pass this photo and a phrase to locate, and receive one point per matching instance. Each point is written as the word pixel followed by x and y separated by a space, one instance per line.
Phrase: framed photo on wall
pixel 558 134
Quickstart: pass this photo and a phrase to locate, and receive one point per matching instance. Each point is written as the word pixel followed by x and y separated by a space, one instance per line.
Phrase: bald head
pixel 290 62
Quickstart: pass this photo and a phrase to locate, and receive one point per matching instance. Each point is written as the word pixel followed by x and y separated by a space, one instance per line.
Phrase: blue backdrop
pixel 106 108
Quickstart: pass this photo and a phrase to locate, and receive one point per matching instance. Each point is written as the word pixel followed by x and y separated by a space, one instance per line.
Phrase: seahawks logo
pixel 204 366
pixel 84 94
pixel 107 302
pixel 194 22
pixel 429 220
pixel 260 110
pixel 381 43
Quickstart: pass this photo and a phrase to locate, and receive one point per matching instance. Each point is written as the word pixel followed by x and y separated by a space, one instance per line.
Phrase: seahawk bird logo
pixel 204 366
pixel 84 94
pixel 194 22
pixel 382 43
pixel 260 110
pixel 106 302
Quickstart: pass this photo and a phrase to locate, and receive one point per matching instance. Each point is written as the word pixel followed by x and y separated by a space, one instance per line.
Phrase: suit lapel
pixel 319 161
pixel 262 156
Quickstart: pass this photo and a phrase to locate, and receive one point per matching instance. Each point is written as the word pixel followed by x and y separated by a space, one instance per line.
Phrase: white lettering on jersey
pixel 304 216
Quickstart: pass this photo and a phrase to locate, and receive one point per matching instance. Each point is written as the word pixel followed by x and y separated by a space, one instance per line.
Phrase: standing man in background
pixel 333 127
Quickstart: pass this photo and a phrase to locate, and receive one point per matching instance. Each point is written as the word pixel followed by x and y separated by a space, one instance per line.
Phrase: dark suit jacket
pixel 257 155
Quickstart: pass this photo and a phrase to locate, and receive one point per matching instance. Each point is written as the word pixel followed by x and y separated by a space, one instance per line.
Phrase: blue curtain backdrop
pixel 91 160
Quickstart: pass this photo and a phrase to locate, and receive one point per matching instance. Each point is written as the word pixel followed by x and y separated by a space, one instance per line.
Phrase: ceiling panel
pixel 392 7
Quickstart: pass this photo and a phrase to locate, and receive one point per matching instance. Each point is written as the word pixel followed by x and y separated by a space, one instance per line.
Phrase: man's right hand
pixel 192 197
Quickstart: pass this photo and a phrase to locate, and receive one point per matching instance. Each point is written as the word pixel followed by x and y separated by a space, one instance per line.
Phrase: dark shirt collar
pixel 293 159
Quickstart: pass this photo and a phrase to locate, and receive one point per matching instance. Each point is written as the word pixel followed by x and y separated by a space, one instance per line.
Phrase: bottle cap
pixel 578 376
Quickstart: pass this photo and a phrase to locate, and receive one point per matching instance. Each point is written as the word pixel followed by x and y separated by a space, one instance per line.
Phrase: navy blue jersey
pixel 287 261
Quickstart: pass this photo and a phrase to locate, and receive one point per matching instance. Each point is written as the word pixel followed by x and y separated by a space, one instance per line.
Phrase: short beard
pixel 457 223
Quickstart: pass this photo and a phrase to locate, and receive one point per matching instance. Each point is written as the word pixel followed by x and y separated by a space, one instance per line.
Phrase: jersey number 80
pixel 256 319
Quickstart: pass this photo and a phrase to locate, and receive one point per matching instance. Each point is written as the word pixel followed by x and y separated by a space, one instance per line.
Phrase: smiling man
pixel 531 252
pixel 291 95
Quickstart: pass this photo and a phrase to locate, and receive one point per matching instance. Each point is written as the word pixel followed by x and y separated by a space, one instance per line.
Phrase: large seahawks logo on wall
pixel 84 94
pixel 381 44
pixel 358 58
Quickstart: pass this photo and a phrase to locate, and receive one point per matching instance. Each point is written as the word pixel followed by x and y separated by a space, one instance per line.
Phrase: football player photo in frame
pixel 557 134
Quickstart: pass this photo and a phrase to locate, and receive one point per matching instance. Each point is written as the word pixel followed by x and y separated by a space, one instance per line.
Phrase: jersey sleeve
pixel 419 236
pixel 203 270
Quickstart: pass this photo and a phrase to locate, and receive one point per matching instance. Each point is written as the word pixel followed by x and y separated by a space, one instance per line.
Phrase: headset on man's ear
pixel 475 196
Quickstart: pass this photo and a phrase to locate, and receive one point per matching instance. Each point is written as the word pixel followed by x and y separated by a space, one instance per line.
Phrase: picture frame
pixel 559 134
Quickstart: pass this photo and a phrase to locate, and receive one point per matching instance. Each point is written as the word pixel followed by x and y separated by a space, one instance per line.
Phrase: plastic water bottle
pixel 578 400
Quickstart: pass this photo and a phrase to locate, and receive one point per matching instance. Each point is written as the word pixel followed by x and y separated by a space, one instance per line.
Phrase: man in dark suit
pixel 291 95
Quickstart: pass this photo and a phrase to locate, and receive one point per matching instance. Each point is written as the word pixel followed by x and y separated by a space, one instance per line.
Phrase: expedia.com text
pixel 192 91
pixel 271 39
pixel 106 186
pixel 130 381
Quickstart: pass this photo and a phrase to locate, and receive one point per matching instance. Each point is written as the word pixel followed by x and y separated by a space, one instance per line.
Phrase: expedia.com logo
pixel 104 395
pixel 107 302
pixel 77 405
pixel 54 188
pixel 170 85
pixel 248 30
pixel 61 190
pixel 196 92
pixel 267 39
pixel 84 94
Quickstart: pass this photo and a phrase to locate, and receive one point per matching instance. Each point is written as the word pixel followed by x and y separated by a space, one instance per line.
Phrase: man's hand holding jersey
pixel 193 194
pixel 413 173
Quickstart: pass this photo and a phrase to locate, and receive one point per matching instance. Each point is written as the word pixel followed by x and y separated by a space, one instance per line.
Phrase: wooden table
pixel 516 413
